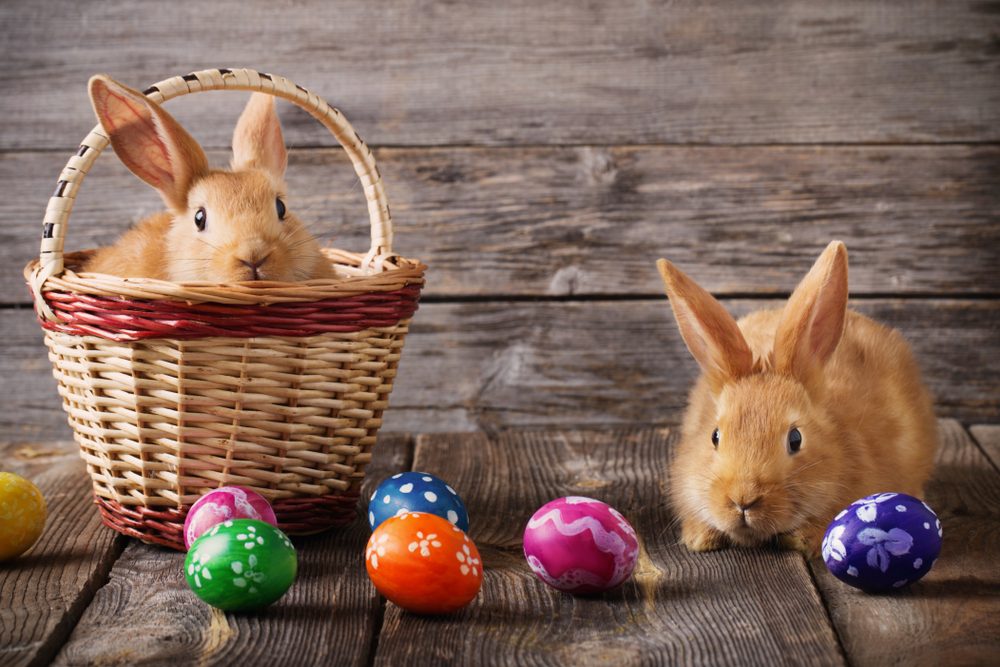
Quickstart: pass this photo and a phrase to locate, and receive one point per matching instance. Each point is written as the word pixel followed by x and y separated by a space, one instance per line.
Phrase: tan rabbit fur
pixel 221 226
pixel 848 385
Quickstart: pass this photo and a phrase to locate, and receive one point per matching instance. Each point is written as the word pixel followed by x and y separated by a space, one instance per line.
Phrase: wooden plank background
pixel 575 221
pixel 539 156
pixel 498 365
pixel 537 71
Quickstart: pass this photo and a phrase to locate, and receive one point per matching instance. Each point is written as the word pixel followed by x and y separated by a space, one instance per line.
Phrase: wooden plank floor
pixel 84 596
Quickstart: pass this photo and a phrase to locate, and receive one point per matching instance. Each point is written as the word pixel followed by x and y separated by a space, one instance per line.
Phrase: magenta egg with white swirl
pixel 580 545
pixel 225 504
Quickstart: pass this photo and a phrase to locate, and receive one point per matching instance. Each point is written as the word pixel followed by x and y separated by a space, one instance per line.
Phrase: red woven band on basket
pixel 120 319
pixel 296 516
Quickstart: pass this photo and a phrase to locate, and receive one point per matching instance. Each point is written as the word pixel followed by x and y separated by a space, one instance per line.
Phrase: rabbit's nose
pixel 254 264
pixel 743 506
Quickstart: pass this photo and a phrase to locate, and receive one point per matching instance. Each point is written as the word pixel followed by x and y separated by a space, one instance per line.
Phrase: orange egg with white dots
pixel 424 563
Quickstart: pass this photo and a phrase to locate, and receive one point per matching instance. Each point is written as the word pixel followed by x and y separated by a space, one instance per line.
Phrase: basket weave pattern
pixel 176 389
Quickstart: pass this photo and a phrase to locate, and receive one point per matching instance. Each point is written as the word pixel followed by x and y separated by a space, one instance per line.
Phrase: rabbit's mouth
pixel 750 522
pixel 752 533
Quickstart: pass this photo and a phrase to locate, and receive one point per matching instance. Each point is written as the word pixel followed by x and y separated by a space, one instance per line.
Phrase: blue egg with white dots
pixel 416 492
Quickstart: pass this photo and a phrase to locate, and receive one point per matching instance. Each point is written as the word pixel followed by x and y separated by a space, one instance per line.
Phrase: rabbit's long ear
pixel 710 332
pixel 148 140
pixel 257 140
pixel 813 319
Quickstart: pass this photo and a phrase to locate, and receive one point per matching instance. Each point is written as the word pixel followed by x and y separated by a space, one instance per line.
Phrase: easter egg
pixel 223 504
pixel 22 515
pixel 241 564
pixel 580 545
pixel 423 563
pixel 882 542
pixel 416 492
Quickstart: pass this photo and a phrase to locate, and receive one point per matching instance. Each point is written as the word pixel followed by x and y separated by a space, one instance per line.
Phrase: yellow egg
pixel 22 515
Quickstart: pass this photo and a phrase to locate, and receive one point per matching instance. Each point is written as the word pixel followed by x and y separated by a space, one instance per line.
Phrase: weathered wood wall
pixel 541 155
pixel 520 72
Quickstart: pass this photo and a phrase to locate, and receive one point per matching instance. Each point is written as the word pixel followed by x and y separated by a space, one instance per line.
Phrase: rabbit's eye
pixel 200 218
pixel 715 438
pixel 281 208
pixel 794 441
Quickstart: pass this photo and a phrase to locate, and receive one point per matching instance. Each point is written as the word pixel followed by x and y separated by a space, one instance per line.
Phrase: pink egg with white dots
pixel 224 504
pixel 580 545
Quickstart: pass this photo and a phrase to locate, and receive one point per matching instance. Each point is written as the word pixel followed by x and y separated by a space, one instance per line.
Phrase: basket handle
pixel 61 203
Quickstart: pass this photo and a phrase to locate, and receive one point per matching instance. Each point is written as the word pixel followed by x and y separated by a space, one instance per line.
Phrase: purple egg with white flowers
pixel 580 545
pixel 882 542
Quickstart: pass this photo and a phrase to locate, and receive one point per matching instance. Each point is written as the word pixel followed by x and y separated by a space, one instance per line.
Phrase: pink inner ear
pixel 144 150
pixel 714 339
pixel 278 155
pixel 257 139
pixel 827 323
pixel 692 335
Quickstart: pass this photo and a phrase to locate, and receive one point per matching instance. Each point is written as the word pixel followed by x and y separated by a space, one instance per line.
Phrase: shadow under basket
pixel 173 390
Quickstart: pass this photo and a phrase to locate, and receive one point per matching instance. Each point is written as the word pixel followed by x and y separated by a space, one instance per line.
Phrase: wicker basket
pixel 175 389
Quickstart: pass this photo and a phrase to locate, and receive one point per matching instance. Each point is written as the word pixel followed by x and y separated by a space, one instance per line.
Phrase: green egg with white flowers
pixel 240 565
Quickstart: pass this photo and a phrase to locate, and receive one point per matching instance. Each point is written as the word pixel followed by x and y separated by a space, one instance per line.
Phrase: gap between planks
pixel 591 221
pixel 952 616
pixel 677 608
pixel 960 470
pixel 407 465
pixel 488 367
pixel 329 615
pixel 530 71
pixel 915 626
pixel 456 299
pixel 305 146
pixel 65 569
pixel 987 437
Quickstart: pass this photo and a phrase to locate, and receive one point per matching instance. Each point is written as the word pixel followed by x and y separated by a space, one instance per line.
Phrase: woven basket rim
pixel 353 281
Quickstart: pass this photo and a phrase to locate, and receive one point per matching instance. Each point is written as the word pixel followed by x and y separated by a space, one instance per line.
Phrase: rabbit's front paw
pixel 698 536
pixel 806 540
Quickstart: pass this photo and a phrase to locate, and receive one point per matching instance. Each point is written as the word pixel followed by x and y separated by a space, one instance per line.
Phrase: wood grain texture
pixel 988 437
pixel 590 220
pixel 30 408
pixel 533 71
pixel 951 616
pixel 327 617
pixel 44 592
pixel 731 607
pixel 492 366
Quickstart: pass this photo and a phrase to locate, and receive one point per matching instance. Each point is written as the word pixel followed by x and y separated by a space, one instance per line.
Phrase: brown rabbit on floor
pixel 221 226
pixel 798 412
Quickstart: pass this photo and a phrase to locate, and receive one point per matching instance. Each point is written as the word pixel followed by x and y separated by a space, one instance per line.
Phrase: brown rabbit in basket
pixel 799 411
pixel 221 226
